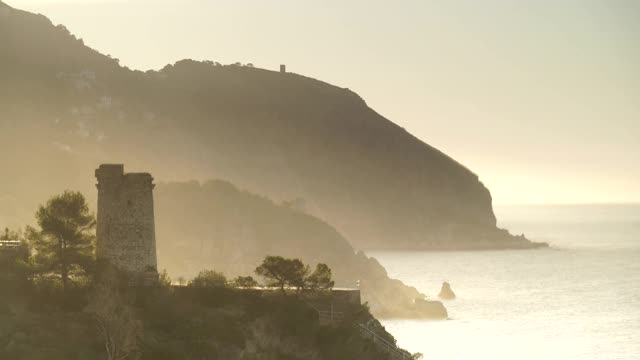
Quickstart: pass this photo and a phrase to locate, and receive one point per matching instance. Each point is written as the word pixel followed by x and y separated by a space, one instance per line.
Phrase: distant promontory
pixel 284 135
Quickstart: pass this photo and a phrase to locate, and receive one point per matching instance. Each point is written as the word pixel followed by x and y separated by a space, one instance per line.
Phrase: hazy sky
pixel 540 98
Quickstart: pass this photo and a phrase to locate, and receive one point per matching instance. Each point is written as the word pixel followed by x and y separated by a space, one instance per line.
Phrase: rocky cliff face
pixel 65 107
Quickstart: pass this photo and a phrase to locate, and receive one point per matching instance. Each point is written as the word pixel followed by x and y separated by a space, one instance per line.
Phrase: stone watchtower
pixel 126 228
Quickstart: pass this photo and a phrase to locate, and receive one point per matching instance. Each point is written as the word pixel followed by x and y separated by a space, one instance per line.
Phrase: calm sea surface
pixel 578 300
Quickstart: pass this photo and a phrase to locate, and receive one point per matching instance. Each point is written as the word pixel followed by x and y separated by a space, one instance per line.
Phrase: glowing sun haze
pixel 541 99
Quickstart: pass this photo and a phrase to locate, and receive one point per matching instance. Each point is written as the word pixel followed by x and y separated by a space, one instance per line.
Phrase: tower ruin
pixel 126 228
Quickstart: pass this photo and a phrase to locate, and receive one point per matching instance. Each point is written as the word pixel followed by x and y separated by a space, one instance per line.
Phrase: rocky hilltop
pixel 65 107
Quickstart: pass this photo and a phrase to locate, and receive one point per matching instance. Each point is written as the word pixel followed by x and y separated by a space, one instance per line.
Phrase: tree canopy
pixel 320 279
pixel 209 279
pixel 245 282
pixel 65 241
pixel 280 272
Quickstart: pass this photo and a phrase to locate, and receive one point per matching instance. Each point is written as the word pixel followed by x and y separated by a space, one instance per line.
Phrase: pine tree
pixel 64 244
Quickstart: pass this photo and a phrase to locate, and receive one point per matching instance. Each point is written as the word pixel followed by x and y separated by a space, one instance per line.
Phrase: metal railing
pixel 333 317
pixel 355 284
pixel 328 316
pixel 10 243
pixel 383 343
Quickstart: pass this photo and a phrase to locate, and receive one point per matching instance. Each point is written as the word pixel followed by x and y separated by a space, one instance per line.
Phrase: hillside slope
pixel 65 108
pixel 214 225
pixel 188 323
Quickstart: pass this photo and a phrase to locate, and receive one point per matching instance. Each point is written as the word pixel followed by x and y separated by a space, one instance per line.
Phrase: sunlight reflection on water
pixel 576 302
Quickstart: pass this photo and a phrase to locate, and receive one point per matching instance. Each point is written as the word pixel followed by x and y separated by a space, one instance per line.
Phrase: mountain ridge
pixel 283 135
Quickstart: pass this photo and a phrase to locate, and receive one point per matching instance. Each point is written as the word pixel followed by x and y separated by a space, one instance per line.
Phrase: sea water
pixel 579 299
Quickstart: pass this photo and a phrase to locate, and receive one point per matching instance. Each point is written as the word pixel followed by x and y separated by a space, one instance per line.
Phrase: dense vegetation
pixel 282 135
pixel 49 312
pixel 160 322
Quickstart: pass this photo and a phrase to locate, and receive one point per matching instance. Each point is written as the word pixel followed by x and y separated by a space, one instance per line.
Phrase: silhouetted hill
pixel 214 225
pixel 64 108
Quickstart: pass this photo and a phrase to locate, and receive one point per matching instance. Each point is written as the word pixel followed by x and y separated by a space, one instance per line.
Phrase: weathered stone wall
pixel 126 228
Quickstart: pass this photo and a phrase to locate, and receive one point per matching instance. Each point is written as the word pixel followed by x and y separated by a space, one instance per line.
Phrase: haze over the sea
pixel 540 99
pixel 577 300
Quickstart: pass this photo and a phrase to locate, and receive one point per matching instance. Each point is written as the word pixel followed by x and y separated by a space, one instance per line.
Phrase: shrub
pixel 244 282
pixel 209 279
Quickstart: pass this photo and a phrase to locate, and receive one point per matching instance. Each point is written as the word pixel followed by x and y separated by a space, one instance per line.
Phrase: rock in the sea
pixel 431 309
pixel 446 292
